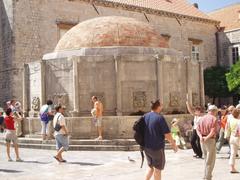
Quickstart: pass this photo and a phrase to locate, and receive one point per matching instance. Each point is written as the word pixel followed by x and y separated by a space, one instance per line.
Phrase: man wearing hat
pixel 207 130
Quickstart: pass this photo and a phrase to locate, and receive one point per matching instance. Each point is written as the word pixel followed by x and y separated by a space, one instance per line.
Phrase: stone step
pixel 81 147
pixel 115 142
pixel 35 142
pixel 125 142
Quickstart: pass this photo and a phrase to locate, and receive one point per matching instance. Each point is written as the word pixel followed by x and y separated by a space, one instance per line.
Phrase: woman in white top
pixel 195 141
pixel 233 132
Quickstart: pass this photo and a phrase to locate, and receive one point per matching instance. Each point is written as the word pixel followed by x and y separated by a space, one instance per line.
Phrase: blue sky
pixel 210 5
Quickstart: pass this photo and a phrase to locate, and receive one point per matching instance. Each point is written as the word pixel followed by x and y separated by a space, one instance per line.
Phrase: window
pixel 195 45
pixel 63 28
pixel 195 52
pixel 235 54
pixel 62 32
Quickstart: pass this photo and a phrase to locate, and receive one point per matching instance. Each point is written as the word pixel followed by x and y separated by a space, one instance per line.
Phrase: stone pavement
pixel 97 165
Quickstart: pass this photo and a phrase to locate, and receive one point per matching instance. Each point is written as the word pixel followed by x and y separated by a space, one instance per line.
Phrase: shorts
pixel 62 141
pixel 98 122
pixel 155 158
pixel 10 136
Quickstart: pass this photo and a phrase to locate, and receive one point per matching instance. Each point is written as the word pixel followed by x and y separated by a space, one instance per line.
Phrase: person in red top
pixel 10 135
pixel 224 117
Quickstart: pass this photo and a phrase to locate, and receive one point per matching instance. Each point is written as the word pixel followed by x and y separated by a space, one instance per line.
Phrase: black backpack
pixel 139 130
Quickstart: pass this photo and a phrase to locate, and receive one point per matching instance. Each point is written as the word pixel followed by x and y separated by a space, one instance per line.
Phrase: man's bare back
pixel 99 108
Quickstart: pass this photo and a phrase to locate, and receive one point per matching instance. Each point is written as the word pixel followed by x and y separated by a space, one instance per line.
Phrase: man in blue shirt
pixel 156 131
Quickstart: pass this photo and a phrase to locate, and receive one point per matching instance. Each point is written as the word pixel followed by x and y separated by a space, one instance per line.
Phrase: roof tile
pixel 174 6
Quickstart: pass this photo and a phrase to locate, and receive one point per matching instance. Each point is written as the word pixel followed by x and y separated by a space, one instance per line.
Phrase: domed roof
pixel 111 31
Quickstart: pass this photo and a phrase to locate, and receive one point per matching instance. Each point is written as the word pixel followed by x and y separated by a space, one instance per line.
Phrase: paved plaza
pixel 39 164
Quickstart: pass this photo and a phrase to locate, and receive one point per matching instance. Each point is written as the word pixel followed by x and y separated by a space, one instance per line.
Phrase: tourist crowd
pixel 53 125
pixel 211 130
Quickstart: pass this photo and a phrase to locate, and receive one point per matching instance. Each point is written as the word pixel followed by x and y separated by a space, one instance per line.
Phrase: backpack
pixel 139 130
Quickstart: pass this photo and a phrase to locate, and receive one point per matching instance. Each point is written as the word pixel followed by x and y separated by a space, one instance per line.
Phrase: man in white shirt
pixel 61 133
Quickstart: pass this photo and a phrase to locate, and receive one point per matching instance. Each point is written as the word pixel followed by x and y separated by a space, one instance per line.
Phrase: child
pixel 10 135
pixel 176 134
pixel 1 120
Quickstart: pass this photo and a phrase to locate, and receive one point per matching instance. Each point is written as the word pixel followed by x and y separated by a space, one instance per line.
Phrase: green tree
pixel 233 78
pixel 215 82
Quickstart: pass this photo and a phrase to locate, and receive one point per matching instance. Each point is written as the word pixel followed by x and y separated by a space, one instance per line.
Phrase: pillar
pixel 75 111
pixel 117 60
pixel 201 88
pixel 25 91
pixel 159 74
pixel 43 83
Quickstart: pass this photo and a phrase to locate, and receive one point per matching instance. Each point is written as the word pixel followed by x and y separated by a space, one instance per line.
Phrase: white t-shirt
pixel 60 119
pixel 196 121
pixel 45 108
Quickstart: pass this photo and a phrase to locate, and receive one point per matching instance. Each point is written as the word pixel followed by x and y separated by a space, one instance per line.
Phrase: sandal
pixel 55 157
pixel 234 172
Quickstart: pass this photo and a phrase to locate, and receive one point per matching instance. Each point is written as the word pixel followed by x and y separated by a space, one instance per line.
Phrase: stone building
pixel 228 37
pixel 229 34
pixel 31 28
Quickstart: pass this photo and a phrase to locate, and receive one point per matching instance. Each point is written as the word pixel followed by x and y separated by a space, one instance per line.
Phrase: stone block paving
pixel 96 165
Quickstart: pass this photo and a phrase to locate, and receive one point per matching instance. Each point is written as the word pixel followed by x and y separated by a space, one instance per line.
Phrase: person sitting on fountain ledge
pixel 97 113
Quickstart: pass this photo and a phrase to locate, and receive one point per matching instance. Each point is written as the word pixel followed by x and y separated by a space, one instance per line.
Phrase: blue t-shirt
pixel 156 128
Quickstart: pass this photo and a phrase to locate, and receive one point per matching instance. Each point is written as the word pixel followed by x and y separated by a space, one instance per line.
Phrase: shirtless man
pixel 97 114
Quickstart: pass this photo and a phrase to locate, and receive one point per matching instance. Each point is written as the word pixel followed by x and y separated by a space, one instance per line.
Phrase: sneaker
pixel 19 160
pixel 10 160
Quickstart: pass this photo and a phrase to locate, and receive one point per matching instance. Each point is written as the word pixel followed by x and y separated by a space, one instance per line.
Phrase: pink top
pixel 206 124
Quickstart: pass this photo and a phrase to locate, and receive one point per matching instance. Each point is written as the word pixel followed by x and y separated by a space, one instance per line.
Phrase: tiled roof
pixel 229 16
pixel 181 7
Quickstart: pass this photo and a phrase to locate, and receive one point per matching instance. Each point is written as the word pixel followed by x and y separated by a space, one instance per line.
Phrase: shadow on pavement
pixel 10 171
pixel 84 163
pixel 36 162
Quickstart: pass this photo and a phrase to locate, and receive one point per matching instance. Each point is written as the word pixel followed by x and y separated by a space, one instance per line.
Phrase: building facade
pixel 229 34
pixel 31 28
pixel 228 37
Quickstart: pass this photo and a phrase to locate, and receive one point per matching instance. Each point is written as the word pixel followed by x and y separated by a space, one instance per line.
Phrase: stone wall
pixel 115 127
pixel 59 82
pixel 36 31
pixel 125 83
pixel 7 69
pixel 226 40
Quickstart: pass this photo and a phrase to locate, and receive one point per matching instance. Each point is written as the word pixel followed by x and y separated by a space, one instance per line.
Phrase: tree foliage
pixel 215 82
pixel 233 78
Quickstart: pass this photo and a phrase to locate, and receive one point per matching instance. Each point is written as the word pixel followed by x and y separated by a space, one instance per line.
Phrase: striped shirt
pixel 206 124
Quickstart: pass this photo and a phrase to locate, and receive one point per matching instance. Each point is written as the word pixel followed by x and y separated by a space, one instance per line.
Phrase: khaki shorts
pixel 155 158
pixel 98 122
pixel 10 136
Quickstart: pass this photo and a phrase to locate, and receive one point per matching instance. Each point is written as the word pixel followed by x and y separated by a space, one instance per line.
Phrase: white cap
pixel 238 106
pixel 212 108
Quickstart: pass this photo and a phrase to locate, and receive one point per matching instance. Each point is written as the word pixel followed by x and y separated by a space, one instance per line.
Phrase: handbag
pixel 44 117
pixel 57 127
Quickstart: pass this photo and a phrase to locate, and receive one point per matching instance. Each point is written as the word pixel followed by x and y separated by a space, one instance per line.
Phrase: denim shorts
pixel 62 141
